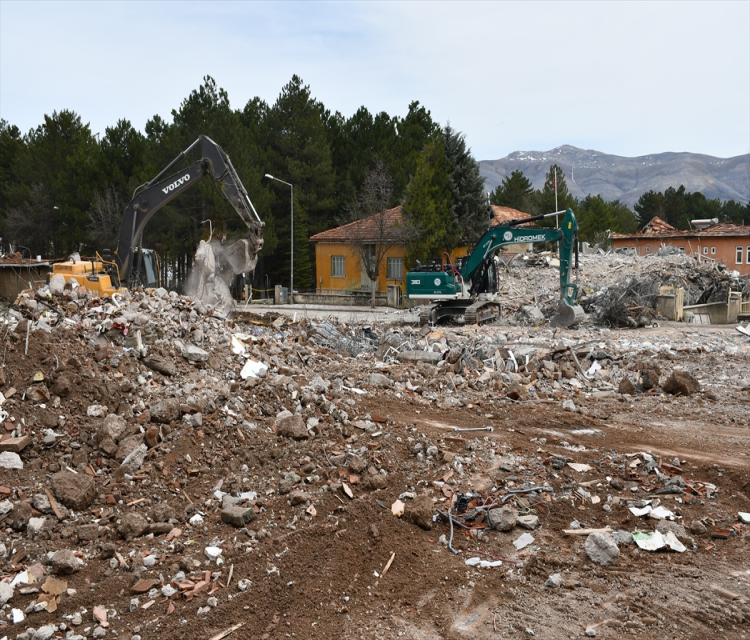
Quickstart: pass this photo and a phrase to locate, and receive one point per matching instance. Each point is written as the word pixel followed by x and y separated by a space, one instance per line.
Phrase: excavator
pixel 134 266
pixel 464 292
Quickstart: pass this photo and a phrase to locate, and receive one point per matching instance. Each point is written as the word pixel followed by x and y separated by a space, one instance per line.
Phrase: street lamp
pixel 291 288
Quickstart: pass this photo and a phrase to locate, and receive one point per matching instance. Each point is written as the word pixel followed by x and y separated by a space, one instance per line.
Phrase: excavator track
pixel 481 312
pixel 468 311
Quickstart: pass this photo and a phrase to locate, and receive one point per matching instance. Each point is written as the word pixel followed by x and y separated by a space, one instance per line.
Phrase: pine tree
pixel 469 212
pixel 515 192
pixel 544 201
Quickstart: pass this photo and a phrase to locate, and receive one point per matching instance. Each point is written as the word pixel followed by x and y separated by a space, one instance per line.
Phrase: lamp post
pixel 291 186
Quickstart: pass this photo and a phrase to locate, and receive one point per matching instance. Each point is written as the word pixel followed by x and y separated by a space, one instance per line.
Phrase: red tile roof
pixel 366 229
pixel 506 214
pixel 657 228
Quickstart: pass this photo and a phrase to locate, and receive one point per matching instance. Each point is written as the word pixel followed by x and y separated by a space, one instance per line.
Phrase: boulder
pixel 292 427
pixel 297 497
pixel 166 411
pixel 75 491
pixel 10 460
pixel 626 386
pixel 112 427
pixel 681 382
pixel 419 511
pixel 237 516
pixel 132 525
pixel 503 518
pixel 602 549
pixel 57 284
pixel 64 562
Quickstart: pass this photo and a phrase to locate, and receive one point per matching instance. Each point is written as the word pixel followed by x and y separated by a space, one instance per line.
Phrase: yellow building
pixel 338 264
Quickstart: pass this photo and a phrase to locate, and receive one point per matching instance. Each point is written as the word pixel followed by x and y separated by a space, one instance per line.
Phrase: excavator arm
pixel 151 197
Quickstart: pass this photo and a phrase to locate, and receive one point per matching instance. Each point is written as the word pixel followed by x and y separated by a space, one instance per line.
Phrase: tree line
pixel 64 188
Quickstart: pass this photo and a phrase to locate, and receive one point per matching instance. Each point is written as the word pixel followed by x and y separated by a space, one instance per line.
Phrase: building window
pixel 338 269
pixel 648 249
pixel 705 250
pixel 713 251
pixel 682 249
pixel 395 269
pixel 738 256
pixel 748 256
pixel 633 250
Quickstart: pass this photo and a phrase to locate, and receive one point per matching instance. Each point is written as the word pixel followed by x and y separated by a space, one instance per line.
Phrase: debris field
pixel 168 472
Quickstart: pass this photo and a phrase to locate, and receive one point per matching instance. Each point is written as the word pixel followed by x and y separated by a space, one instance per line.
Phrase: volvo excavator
pixel 465 291
pixel 132 265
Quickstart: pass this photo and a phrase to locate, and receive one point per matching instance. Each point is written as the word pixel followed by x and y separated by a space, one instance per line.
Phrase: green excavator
pixel 466 291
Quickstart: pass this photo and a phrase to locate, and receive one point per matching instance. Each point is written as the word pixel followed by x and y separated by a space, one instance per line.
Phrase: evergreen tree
pixel 427 208
pixel 515 192
pixel 13 191
pixel 414 133
pixel 596 217
pixel 544 199
pixel 469 211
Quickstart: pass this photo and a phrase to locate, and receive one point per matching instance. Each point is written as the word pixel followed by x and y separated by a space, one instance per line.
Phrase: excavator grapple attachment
pixel 568 315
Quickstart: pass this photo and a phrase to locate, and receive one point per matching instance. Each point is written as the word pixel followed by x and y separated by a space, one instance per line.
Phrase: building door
pixel 366 282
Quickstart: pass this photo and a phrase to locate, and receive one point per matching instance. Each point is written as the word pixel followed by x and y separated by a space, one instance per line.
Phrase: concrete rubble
pixel 164 465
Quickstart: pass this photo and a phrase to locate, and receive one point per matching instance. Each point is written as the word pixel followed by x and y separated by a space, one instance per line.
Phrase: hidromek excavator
pixel 464 291
pixel 135 266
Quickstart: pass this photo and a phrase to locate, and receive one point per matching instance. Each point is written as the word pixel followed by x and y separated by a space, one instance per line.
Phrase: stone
pixel 292 427
pixel 87 532
pixel 132 525
pixel 35 525
pixel 159 528
pixel 622 537
pixel 373 483
pixel 528 522
pixel 419 511
pixel 99 632
pixel 166 411
pixel 6 506
pixel 357 464
pixel 503 518
pixel 48 630
pixel 602 549
pixel 194 354
pixel 192 420
pixel 112 427
pixel 134 460
pixel 532 313
pixel 64 562
pixel 168 591
pixel 109 447
pixel 626 386
pixel 379 380
pixel 16 445
pixel 697 528
pixel 681 382
pixel 10 460
pixel 649 378
pixel 554 581
pixel 57 284
pixel 517 391
pixel 297 497
pixel 161 365
pixel 617 483
pixel 569 405
pixel 38 393
pixel 127 446
pixel 162 512
pixel 6 592
pixel 75 491
pixel 237 516
pixel 62 386
pixel 20 516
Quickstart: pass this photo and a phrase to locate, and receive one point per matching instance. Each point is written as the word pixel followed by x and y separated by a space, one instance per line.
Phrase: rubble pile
pixel 167 471
pixel 617 290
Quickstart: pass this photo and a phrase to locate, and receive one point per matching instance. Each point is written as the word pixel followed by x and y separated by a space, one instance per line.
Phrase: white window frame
pixel 738 255
pixel 391 267
pixel 335 262
pixel 648 249
pixel 713 251
pixel 682 249
pixel 748 255
pixel 705 251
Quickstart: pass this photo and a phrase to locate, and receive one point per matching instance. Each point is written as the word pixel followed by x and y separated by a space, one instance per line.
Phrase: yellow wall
pixel 352 281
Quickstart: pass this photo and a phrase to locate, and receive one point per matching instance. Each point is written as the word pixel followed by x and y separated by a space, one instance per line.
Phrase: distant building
pixel 723 242
pixel 506 214
pixel 18 273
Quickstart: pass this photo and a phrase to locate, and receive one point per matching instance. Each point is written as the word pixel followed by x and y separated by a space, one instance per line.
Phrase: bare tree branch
pixel 32 224
pixel 105 218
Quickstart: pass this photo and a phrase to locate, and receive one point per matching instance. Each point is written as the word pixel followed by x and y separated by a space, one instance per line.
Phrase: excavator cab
pixel 145 272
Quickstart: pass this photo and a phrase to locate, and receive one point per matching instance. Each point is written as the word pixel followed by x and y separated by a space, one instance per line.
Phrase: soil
pixel 323 577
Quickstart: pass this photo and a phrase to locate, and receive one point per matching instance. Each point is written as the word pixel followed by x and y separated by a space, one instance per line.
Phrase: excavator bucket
pixel 568 315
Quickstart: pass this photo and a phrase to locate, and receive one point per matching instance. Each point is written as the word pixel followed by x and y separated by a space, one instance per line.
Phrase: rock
pixel 113 427
pixel 10 460
pixel 297 497
pixel 48 630
pixel 162 512
pixel 532 313
pixel 38 393
pixel 292 427
pixel 503 518
pixel 194 354
pixel 379 380
pixel 528 522
pixel 132 526
pixel 16 445
pixel 75 491
pixel 162 365
pixel 87 532
pixel 127 446
pixel 357 464
pixel 569 405
pixel 6 592
pixel 373 483
pixel 649 378
pixel 517 392
pixel 626 386
pixel 590 632
pixel 622 537
pixel 237 516
pixel 64 562
pixel 419 511
pixel 96 411
pixel 6 506
pixel 602 549
pixel 57 284
pixel 192 420
pixel 697 528
pixel 62 386
pixel 160 528
pixel 681 382
pixel 166 411
pixel 168 591
pixel 554 581
pixel 617 483
pixel 99 632
pixel 134 460
pixel 20 516
pixel 109 447
pixel 35 525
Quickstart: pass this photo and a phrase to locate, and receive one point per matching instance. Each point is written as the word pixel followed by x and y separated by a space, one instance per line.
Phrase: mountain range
pixel 626 179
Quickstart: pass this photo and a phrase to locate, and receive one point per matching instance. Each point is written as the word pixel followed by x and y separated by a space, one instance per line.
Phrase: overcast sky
pixel 627 78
